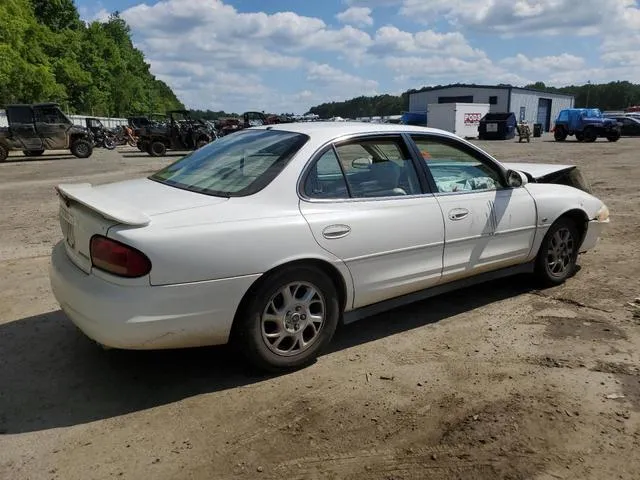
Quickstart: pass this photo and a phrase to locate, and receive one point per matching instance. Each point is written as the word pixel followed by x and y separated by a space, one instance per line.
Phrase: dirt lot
pixel 501 381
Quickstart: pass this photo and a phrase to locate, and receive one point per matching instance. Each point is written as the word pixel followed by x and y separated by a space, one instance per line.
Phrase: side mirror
pixel 516 179
pixel 362 163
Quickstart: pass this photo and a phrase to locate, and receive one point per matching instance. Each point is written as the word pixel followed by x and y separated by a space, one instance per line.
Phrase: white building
pixel 533 106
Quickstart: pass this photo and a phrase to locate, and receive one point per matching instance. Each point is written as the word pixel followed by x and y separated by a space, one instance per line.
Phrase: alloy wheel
pixel 293 319
pixel 560 252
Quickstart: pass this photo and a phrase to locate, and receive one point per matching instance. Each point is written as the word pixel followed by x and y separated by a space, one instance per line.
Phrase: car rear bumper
pixel 594 230
pixel 146 317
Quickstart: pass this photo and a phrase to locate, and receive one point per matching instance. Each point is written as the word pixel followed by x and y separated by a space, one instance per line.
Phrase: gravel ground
pixel 497 381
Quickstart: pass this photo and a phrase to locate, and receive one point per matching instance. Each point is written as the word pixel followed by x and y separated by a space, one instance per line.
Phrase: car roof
pixel 326 131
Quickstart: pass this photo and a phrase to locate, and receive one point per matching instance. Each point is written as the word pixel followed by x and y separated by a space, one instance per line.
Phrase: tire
pixel 157 149
pixel 613 136
pixel 109 143
pixel 560 134
pixel 4 153
pixel 579 136
pixel 590 135
pixel 201 143
pixel 32 153
pixel 264 342
pixel 556 260
pixel 81 148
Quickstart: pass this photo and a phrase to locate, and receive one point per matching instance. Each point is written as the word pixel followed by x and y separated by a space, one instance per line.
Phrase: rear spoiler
pixel 108 207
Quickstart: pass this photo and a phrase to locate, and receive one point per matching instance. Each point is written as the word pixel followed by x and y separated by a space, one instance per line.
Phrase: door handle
pixel 458 213
pixel 336 231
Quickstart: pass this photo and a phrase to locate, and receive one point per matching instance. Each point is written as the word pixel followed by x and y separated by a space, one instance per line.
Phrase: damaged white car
pixel 269 237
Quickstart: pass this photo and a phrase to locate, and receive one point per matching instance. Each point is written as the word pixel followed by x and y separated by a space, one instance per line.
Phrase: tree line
pixel 606 96
pixel 47 53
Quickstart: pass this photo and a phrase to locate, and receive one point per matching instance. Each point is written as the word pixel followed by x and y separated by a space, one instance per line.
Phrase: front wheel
pixel 560 134
pixel 81 148
pixel 590 135
pixel 579 136
pixel 287 319
pixel 613 136
pixel 157 149
pixel 556 260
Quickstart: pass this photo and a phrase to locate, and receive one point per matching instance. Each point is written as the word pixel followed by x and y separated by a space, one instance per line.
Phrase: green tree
pixel 48 54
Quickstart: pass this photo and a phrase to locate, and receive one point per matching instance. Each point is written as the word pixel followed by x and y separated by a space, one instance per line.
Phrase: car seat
pixel 386 175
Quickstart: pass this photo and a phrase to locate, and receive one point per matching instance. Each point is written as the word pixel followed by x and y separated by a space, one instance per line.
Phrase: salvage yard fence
pixel 108 122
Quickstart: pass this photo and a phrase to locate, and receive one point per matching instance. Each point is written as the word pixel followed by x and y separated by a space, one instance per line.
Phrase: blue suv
pixel 587 124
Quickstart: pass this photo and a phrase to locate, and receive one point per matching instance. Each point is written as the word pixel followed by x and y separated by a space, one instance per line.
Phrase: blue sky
pixel 287 55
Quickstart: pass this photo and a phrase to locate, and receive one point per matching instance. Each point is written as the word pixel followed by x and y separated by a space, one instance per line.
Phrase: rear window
pixel 235 165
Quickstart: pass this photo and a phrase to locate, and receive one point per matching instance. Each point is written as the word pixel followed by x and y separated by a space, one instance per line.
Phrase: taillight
pixel 117 258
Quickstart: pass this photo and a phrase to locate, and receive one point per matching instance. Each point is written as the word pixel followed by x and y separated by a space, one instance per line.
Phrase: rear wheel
pixel 4 153
pixel 109 142
pixel 556 260
pixel 613 136
pixel 157 149
pixel 81 148
pixel 287 319
pixel 560 134
pixel 32 153
pixel 590 135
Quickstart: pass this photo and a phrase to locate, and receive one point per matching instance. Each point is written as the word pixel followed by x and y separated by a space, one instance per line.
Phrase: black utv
pixel 180 132
pixel 36 128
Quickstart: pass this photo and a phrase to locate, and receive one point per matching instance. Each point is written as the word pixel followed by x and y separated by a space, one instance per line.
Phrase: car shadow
pixel 52 376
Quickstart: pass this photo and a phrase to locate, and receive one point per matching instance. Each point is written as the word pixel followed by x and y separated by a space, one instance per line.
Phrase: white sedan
pixel 269 237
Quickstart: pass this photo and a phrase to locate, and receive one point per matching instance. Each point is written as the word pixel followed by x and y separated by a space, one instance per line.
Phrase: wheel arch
pixel 581 220
pixel 334 274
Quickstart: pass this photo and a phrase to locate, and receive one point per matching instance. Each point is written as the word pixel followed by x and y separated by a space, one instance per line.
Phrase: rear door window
pixel 378 167
pixel 326 179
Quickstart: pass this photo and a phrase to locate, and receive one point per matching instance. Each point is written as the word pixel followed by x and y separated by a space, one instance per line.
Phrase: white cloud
pixel 391 40
pixel 327 75
pixel 517 17
pixel 217 57
pixel 95 14
pixel 359 16
pixel 373 3
pixel 564 61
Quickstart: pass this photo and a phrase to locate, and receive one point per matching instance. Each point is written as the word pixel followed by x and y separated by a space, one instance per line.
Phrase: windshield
pixel 239 164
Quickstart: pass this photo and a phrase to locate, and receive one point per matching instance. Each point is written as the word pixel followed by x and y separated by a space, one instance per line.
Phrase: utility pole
pixel 588 92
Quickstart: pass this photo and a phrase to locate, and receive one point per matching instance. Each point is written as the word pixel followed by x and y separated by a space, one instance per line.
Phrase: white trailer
pixel 462 119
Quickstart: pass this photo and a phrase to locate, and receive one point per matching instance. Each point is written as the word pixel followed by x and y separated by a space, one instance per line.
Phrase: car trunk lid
pixel 86 210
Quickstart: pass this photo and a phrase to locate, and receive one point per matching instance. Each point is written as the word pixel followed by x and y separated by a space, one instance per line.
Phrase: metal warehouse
pixel 533 106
